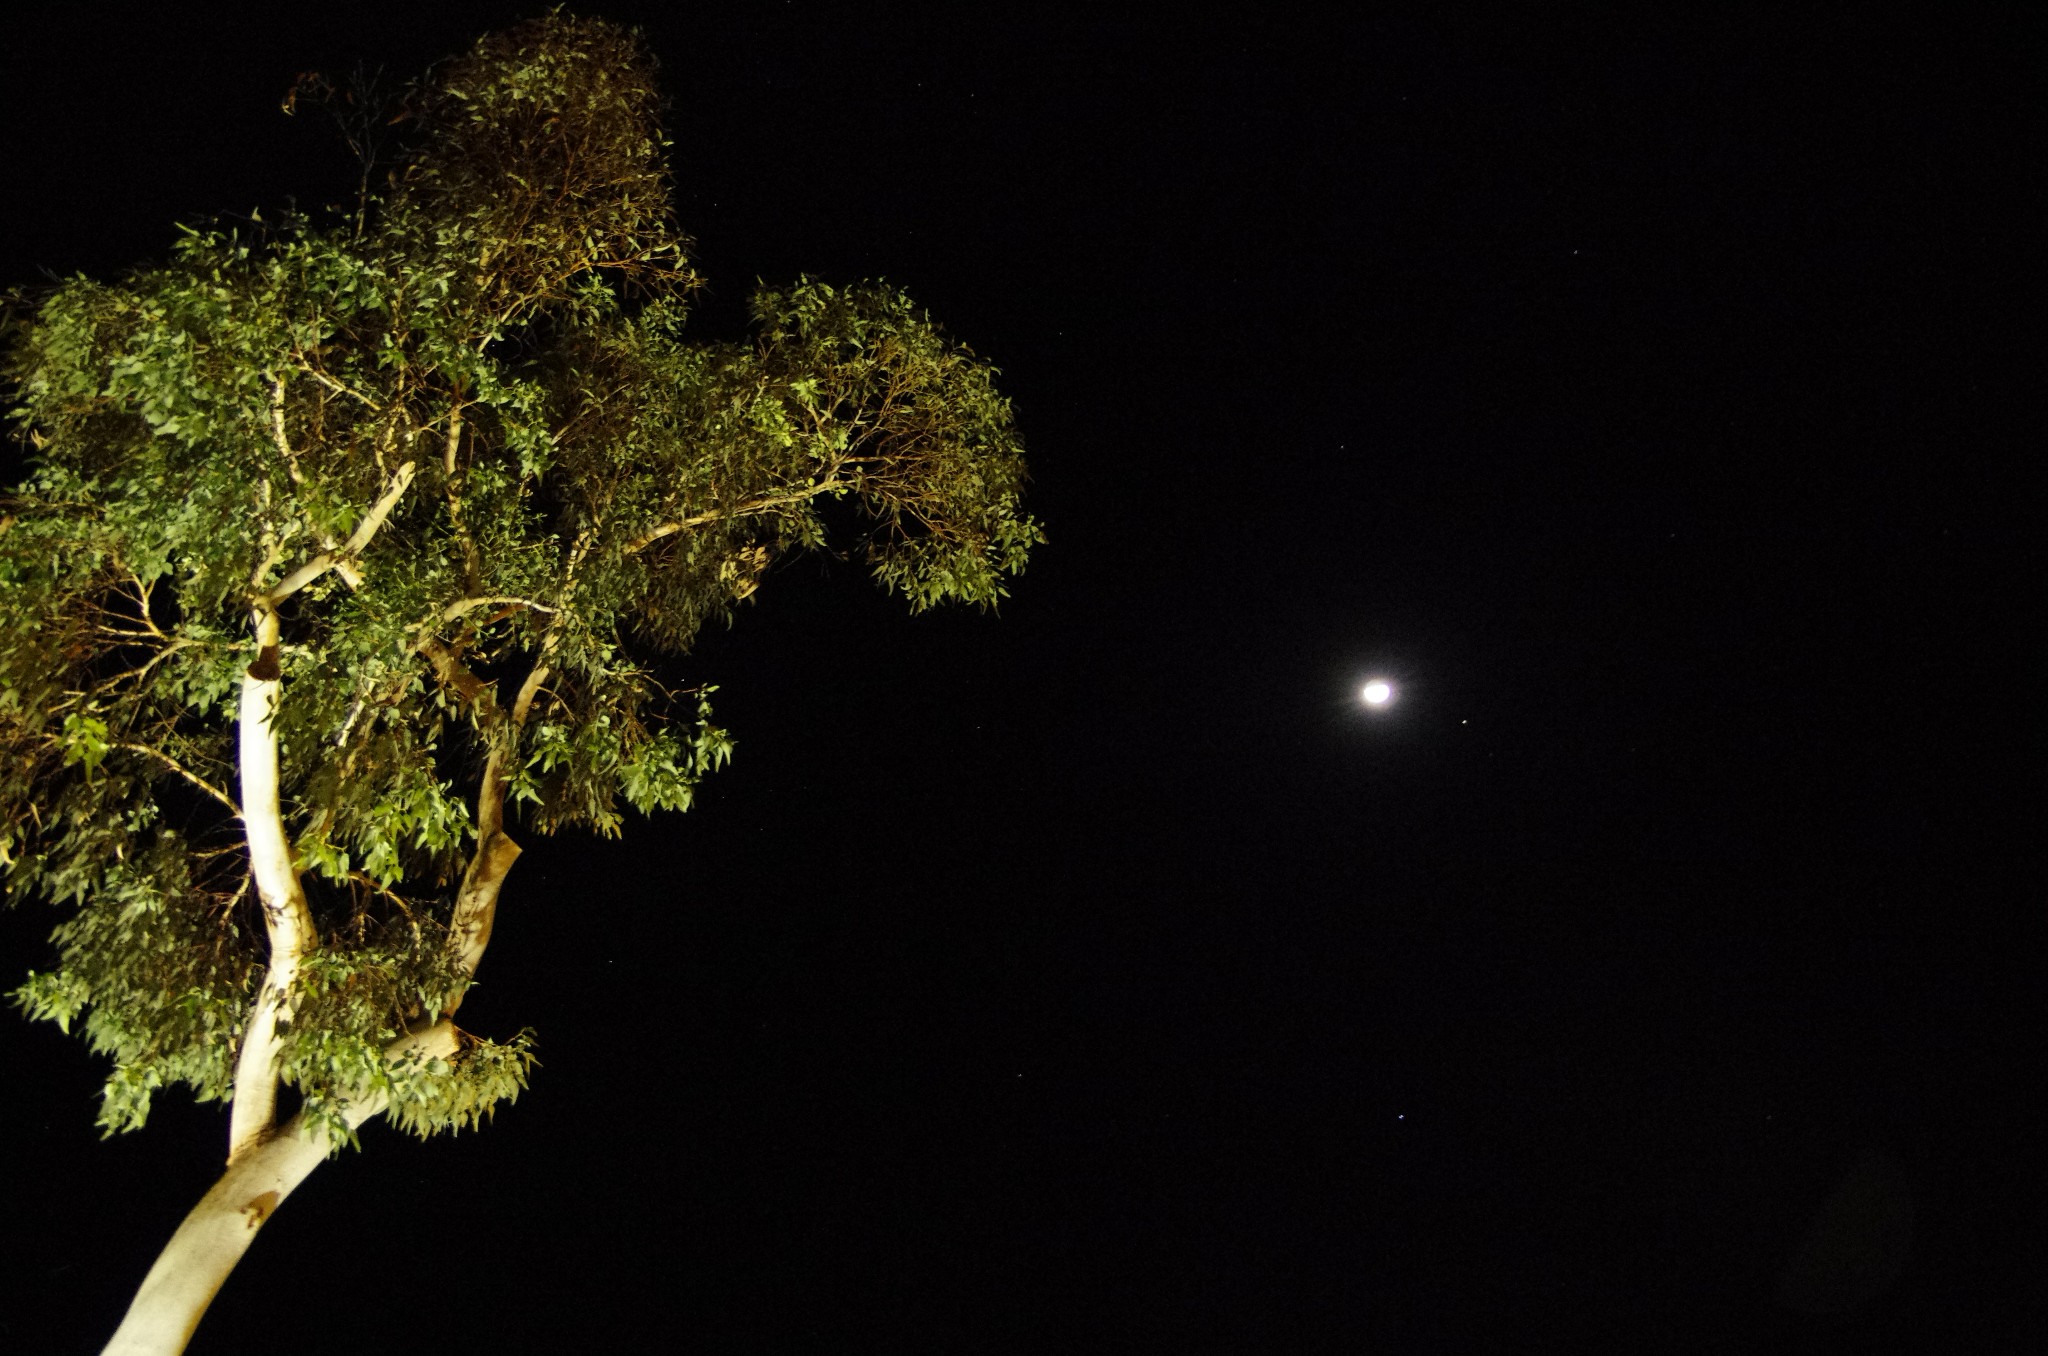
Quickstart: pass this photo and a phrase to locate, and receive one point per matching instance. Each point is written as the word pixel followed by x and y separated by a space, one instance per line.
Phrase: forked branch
pixel 350 550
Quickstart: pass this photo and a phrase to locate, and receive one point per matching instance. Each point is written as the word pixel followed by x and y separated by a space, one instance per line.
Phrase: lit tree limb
pixel 458 609
pixel 351 549
pixel 809 492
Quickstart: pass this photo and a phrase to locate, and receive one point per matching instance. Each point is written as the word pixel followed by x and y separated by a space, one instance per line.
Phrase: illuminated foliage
pixel 459 444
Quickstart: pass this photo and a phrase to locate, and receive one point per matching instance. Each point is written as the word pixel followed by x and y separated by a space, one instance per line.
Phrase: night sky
pixel 1642 398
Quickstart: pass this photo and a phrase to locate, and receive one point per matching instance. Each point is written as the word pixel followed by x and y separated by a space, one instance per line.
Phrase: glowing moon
pixel 1378 693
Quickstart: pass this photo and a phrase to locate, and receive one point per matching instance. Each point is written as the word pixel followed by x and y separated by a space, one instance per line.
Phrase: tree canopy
pixel 348 545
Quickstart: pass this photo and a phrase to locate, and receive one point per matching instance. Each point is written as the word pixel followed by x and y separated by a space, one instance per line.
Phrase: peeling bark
pixel 476 903
pixel 476 907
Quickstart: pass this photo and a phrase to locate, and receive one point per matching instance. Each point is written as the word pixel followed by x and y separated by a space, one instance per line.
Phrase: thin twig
pixel 331 384
pixel 174 765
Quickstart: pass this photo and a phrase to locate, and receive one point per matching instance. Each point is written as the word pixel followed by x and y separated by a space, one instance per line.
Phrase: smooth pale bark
pixel 194 1264
pixel 265 1161
pixel 287 920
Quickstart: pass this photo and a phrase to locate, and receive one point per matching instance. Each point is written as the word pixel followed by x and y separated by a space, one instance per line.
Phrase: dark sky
pixel 1642 396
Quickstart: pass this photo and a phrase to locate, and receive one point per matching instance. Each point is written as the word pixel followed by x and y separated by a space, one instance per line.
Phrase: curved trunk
pixel 194 1264
pixel 267 1162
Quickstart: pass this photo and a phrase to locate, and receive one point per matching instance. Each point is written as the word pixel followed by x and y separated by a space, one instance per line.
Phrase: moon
pixel 1378 692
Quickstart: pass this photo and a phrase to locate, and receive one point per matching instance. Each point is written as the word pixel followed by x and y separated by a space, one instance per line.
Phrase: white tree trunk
pixel 265 1161
pixel 287 919
pixel 197 1260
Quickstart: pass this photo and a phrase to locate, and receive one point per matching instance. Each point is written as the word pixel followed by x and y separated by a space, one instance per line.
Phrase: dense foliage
pixel 457 449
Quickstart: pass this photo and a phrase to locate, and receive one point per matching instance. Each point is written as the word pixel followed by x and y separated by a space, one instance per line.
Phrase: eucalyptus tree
pixel 348 548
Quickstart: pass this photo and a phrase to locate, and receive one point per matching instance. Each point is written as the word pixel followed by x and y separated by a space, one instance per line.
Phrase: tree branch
pixel 277 433
pixel 331 384
pixel 454 674
pixel 522 703
pixel 472 566
pixel 351 548
pixel 467 605
pixel 476 903
pixel 646 539
pixel 291 463
pixel 174 765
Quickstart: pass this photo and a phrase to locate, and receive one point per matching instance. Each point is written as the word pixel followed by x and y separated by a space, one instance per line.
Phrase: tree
pixel 346 547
